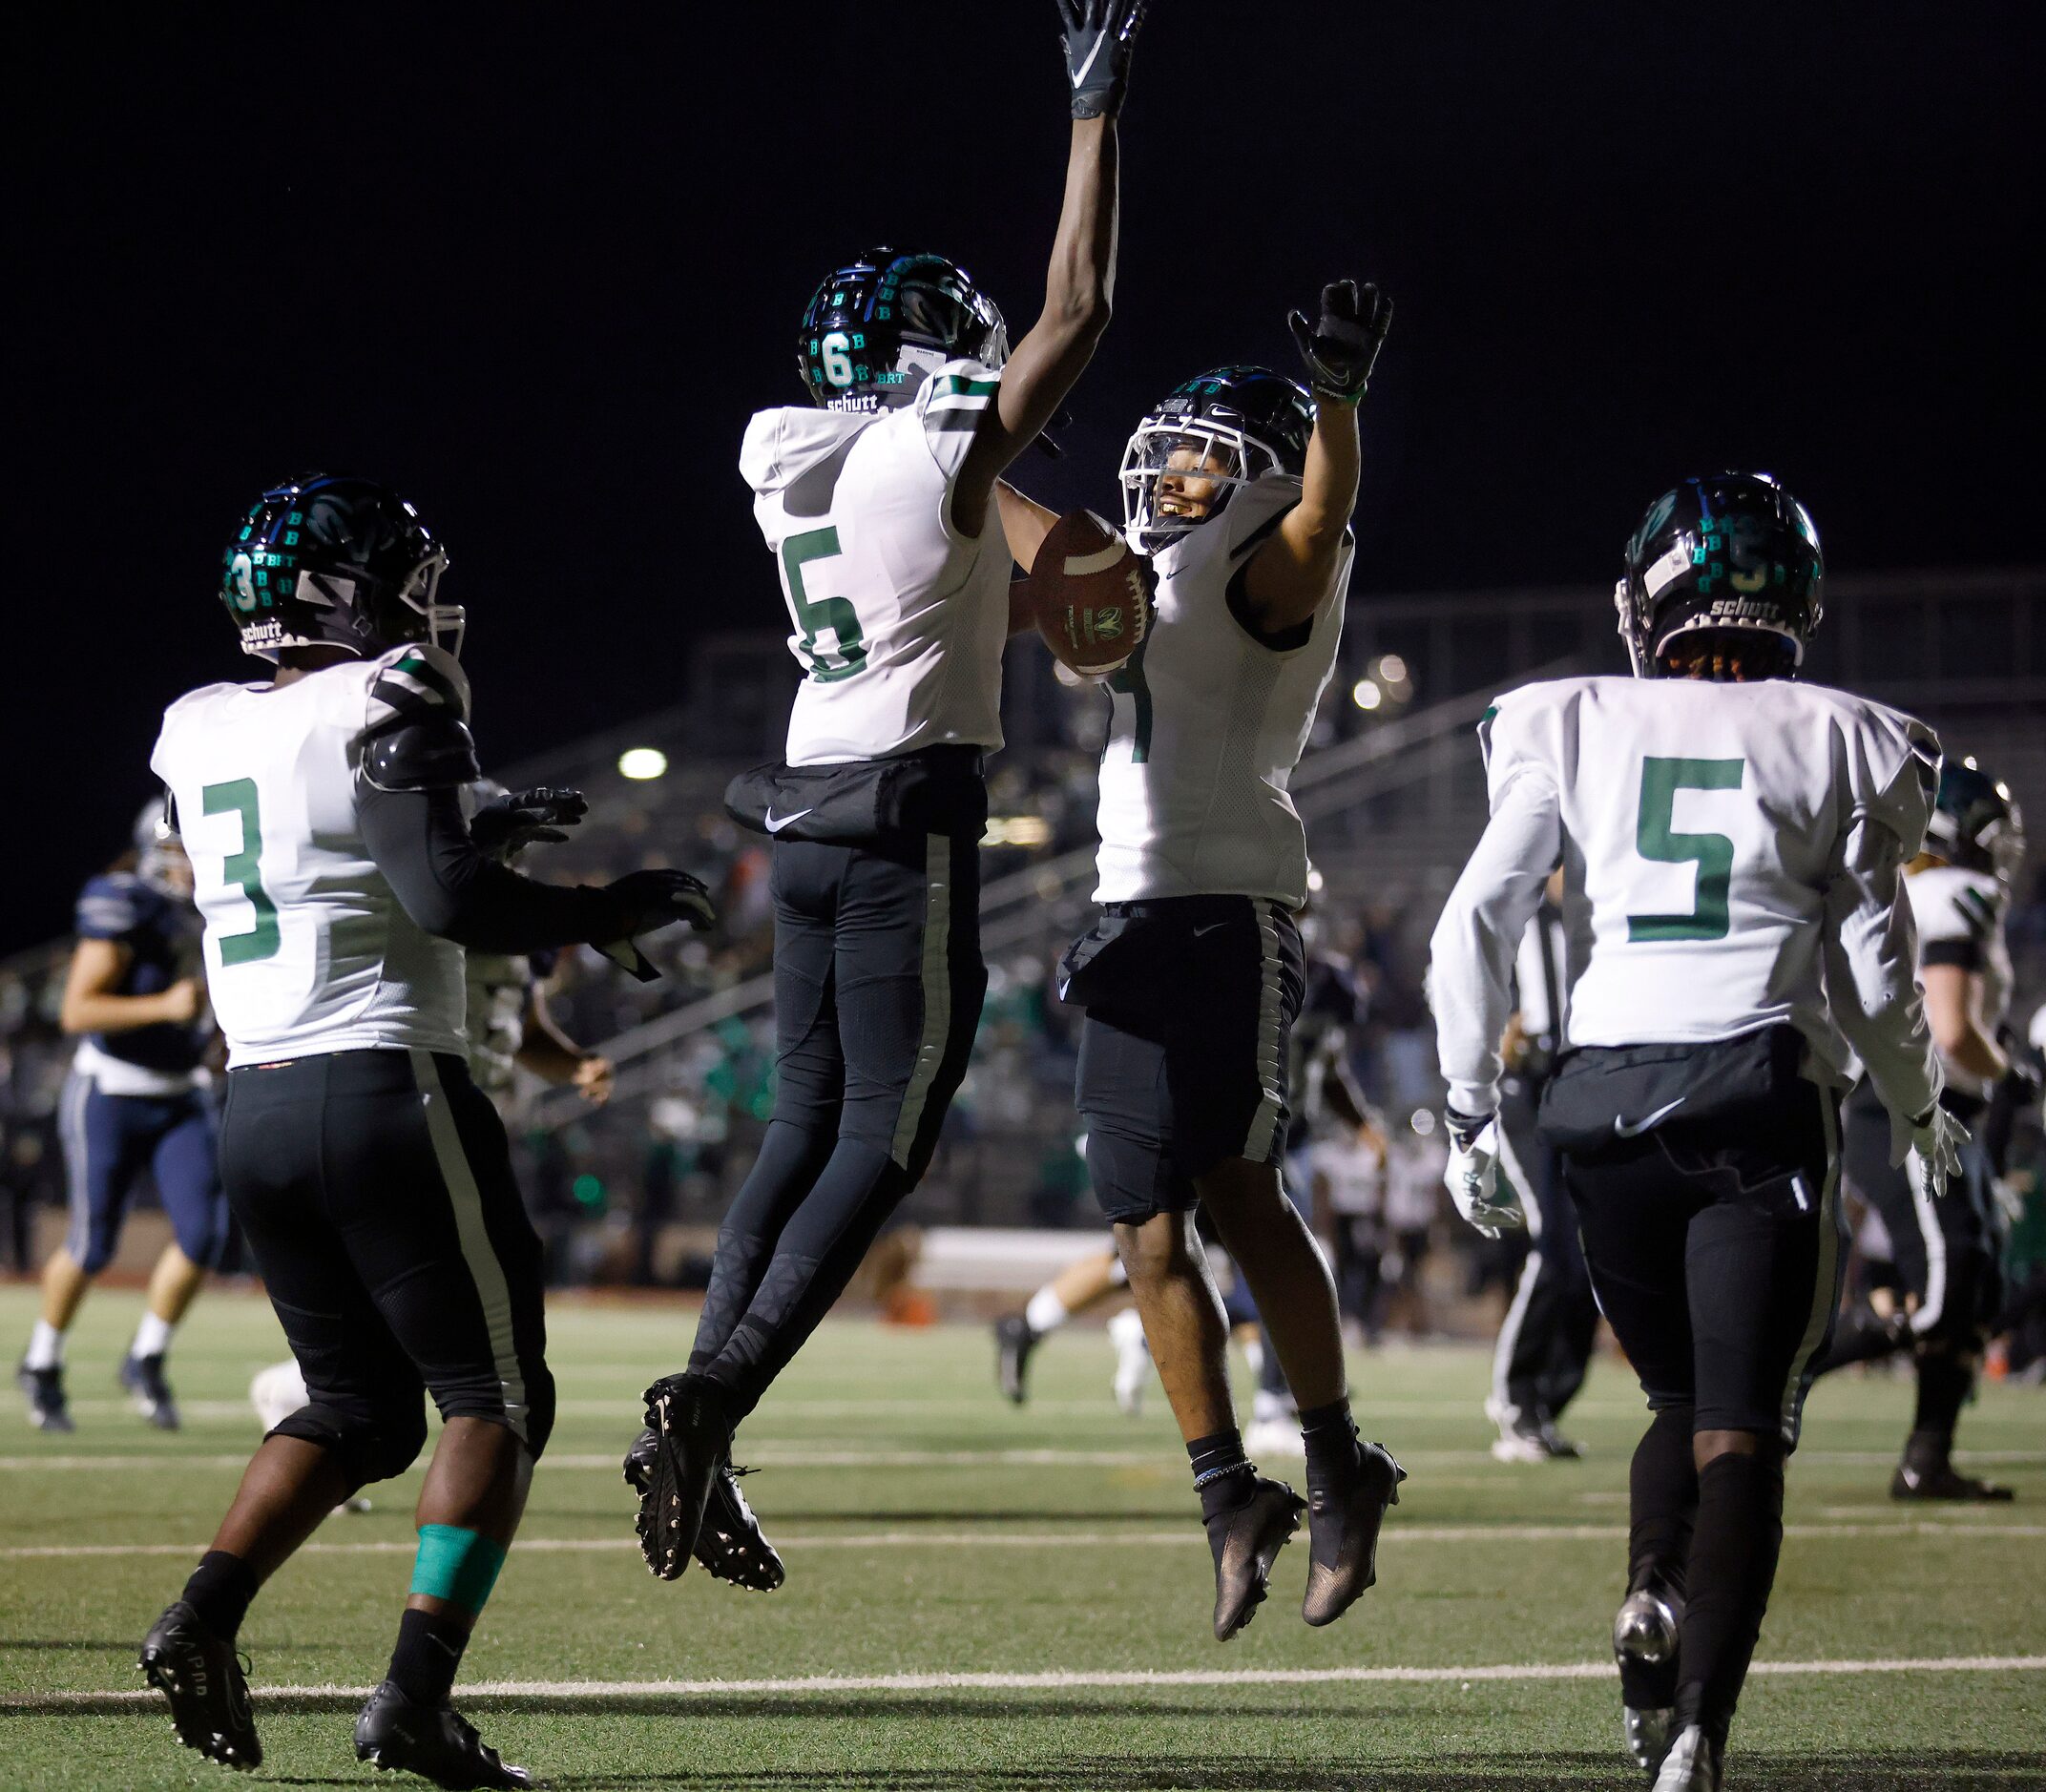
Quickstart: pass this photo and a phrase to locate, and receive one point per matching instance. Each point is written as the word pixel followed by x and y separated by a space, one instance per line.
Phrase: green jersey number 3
pixel 245 869
pixel 1655 837
pixel 813 616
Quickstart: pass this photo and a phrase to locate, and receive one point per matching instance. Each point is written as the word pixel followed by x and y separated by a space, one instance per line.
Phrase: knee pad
pixel 371 1443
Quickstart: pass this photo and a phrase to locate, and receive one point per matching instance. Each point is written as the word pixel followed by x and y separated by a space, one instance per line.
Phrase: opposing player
pixel 1239 487
pixel 135 1102
pixel 883 510
pixel 340 884
pixel 1949 1253
pixel 1732 846
pixel 1085 1284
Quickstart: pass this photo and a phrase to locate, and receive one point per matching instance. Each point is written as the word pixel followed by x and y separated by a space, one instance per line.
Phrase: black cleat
pixel 1942 1481
pixel 1647 1631
pixel 209 1693
pixel 1014 1341
pixel 47 1408
pixel 730 1545
pixel 1344 1522
pixel 143 1378
pixel 435 1741
pixel 693 1441
pixel 1245 1542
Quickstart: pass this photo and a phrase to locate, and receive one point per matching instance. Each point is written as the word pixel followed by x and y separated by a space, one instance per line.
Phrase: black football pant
pixel 376 1193
pixel 878 991
pixel 1717 1255
pixel 1545 1340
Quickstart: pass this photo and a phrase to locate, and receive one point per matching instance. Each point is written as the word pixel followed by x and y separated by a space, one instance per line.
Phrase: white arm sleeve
pixel 1470 958
pixel 1872 952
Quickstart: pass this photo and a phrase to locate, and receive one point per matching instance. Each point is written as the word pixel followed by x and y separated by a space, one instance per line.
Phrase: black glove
pixel 2021 1082
pixel 1340 349
pixel 1098 36
pixel 643 902
pixel 519 818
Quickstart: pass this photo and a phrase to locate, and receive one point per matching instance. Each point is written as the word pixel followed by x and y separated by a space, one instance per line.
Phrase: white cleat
pixel 1132 1359
pixel 276 1393
pixel 1691 1765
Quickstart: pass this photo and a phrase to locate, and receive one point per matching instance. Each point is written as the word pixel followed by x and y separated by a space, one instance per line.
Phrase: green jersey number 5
pixel 245 869
pixel 1655 837
pixel 815 614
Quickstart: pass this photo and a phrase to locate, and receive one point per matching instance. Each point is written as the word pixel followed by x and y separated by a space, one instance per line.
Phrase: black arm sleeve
pixel 421 843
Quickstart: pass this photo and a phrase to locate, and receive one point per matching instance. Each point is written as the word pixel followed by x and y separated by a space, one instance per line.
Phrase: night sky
pixel 537 271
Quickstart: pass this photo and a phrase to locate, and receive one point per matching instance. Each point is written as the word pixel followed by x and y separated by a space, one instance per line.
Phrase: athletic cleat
pixel 207 1686
pixel 1942 1481
pixel 1343 1523
pixel 1245 1542
pixel 692 1442
pixel 1525 1437
pixel 1647 1631
pixel 47 1408
pixel 1014 1341
pixel 143 1378
pixel 1133 1360
pixel 730 1545
pixel 1691 1765
pixel 435 1741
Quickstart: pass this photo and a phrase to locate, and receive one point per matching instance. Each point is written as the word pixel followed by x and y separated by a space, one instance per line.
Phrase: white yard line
pixel 1056 1681
pixel 1187 1537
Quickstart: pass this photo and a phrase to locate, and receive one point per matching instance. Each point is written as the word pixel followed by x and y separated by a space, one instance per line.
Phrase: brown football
pixel 1088 593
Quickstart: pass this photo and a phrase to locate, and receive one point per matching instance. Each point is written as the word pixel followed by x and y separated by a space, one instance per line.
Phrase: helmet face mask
pixel 1220 431
pixel 159 855
pixel 1733 559
pixel 325 560
pixel 882 324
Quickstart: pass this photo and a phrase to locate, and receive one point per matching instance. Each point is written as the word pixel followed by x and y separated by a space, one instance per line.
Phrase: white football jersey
pixel 307 949
pixel 1960 921
pixel 1700 826
pixel 499 989
pixel 900 620
pixel 1209 723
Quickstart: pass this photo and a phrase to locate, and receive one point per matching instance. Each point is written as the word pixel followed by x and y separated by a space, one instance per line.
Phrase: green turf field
pixel 985 1598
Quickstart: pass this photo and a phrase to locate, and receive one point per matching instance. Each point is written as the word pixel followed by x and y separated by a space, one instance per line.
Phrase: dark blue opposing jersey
pixel 161 937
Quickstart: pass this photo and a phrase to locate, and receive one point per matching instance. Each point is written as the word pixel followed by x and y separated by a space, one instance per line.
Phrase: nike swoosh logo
pixel 1209 928
pixel 1622 1129
pixel 777 823
pixel 1080 73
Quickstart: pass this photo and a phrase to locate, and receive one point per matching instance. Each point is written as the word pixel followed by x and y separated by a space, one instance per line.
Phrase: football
pixel 1090 594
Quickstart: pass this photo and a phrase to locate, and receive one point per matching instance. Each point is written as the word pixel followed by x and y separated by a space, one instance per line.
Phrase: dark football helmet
pixel 1734 551
pixel 1976 824
pixel 329 560
pixel 1246 422
pixel 880 325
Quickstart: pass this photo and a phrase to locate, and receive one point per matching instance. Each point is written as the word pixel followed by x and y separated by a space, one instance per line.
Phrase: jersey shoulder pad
pixel 1891 763
pixel 1523 730
pixel 1254 513
pixel 112 905
pixel 948 407
pixel 418 683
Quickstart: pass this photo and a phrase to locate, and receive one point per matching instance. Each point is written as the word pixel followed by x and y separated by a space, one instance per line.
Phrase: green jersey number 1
pixel 1655 837
pixel 245 869
pixel 813 616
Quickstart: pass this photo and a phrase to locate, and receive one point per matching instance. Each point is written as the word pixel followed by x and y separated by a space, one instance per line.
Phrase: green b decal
pixel 244 867
pixel 1712 853
pixel 814 616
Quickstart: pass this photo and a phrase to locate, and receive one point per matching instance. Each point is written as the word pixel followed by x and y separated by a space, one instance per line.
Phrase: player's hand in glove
pixel 520 818
pixel 644 901
pixel 1473 1176
pixel 1341 346
pixel 1098 36
pixel 1936 1142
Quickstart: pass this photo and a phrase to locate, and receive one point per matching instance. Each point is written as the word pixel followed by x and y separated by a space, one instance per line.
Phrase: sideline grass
pixel 895 1461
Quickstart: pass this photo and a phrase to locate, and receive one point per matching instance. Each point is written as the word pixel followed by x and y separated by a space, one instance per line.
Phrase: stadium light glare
pixel 640 763
pixel 1366 695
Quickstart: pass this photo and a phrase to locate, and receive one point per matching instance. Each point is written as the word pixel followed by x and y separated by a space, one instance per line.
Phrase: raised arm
pixel 1291 575
pixel 1079 284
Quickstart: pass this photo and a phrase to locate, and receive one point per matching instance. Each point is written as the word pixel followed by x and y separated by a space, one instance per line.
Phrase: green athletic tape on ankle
pixel 456 1565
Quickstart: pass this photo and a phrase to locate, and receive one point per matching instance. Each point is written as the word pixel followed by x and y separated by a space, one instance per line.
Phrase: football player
pixel 135 1102
pixel 1083 1284
pixel 883 509
pixel 1949 1253
pixel 1544 1347
pixel 1239 487
pixel 339 886
pixel 1732 846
